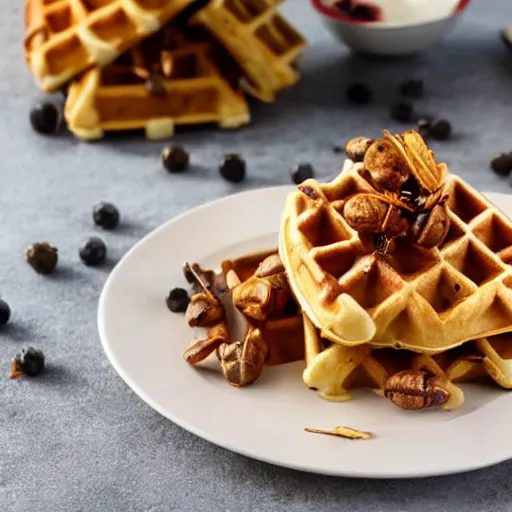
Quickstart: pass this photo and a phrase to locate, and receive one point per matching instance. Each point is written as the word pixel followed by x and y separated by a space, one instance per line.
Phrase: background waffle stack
pixel 108 54
pixel 426 303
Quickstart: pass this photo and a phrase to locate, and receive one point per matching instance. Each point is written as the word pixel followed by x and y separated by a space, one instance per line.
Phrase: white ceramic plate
pixel 144 341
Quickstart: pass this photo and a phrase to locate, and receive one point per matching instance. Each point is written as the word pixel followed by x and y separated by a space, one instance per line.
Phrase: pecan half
pixel 415 390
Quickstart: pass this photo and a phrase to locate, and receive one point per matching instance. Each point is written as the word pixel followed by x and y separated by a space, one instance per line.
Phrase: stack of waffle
pixel 155 64
pixel 416 315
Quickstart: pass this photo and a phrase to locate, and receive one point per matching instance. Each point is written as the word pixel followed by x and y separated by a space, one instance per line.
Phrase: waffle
pixel 65 37
pixel 119 96
pixel 284 336
pixel 334 370
pixel 424 300
pixel 263 43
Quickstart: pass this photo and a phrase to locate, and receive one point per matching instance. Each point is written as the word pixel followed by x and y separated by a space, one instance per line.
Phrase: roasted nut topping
pixel 386 166
pixel 357 147
pixel 270 266
pixel 435 228
pixel 408 200
pixel 415 390
pixel 365 213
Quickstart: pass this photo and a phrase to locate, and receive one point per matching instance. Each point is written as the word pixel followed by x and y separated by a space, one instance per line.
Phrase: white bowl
pixel 392 36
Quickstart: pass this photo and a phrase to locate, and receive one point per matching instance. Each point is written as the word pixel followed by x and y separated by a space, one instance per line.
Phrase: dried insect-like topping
pixel 418 157
pixel 199 350
pixel 259 298
pixel 386 166
pixel 204 311
pixel 243 362
pixel 357 147
pixel 415 390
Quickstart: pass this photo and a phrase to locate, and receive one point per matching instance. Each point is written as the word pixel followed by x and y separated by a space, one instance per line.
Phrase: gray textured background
pixel 77 439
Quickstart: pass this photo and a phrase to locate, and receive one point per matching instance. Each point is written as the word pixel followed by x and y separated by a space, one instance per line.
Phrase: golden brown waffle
pixel 263 43
pixel 66 37
pixel 425 300
pixel 284 336
pixel 334 370
pixel 122 97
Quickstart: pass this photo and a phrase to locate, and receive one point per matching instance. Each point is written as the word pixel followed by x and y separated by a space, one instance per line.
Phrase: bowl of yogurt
pixel 389 27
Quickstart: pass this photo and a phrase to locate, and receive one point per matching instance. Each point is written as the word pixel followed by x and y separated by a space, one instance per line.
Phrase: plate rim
pixel 185 424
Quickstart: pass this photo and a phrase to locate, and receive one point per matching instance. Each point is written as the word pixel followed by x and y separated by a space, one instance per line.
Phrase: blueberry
pixel 42 257
pixel 359 94
pixel 177 300
pixel 29 361
pixel 175 158
pixel 105 215
pixel 304 171
pixel 412 88
pixel 502 164
pixel 45 117
pixel 232 168
pixel 424 127
pixel 93 251
pixel 403 112
pixel 441 130
pixel 5 312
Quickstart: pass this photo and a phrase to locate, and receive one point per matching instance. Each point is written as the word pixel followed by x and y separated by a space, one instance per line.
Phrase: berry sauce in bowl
pixel 389 27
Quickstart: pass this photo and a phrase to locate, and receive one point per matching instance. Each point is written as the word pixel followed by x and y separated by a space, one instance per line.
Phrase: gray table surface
pixel 77 438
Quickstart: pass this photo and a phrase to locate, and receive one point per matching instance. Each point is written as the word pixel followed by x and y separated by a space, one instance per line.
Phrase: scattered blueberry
pixel 424 127
pixel 441 130
pixel 42 257
pixel 337 149
pixel 30 361
pixel 232 168
pixel 403 112
pixel 304 171
pixel 5 312
pixel 412 89
pixel 45 117
pixel 175 158
pixel 93 251
pixel 502 164
pixel 105 215
pixel 359 94
pixel 177 300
